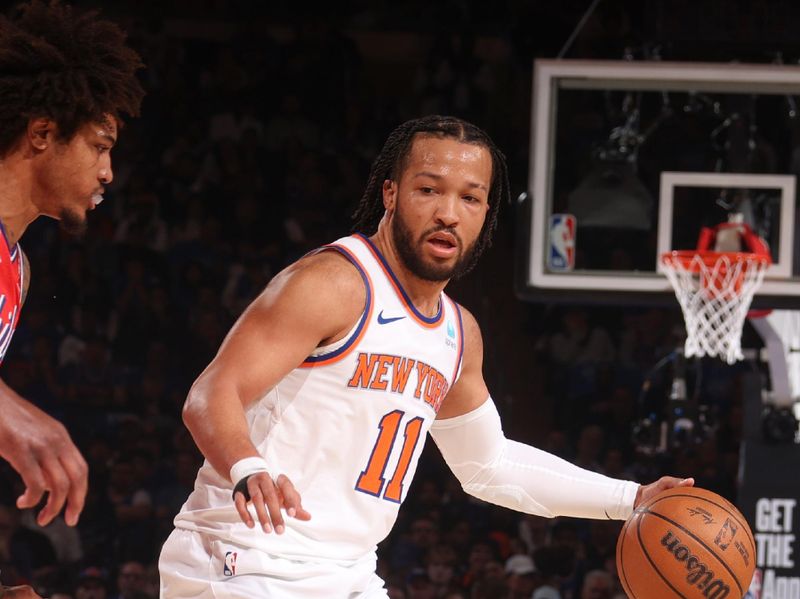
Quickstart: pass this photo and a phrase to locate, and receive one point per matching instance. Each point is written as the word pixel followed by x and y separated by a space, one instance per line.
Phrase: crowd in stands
pixel 251 151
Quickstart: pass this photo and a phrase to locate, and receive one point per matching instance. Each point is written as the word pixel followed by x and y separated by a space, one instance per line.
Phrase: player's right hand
pixel 39 448
pixel 269 498
pixel 21 592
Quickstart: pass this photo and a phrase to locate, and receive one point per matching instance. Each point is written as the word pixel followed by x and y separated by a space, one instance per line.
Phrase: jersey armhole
pixel 334 352
pixel 460 356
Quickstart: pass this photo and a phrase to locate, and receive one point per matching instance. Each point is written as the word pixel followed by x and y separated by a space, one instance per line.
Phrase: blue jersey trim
pixel 407 300
pixel 364 317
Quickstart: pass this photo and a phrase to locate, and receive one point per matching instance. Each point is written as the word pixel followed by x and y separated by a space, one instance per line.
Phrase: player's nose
pixel 105 175
pixel 446 212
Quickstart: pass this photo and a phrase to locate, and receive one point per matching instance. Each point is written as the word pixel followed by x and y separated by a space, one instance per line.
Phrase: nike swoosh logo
pixel 382 320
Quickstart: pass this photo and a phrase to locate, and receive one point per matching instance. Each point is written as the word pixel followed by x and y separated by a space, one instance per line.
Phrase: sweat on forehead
pixel 402 158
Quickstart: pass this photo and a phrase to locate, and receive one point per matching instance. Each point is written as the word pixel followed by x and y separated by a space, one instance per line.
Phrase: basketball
pixel 686 542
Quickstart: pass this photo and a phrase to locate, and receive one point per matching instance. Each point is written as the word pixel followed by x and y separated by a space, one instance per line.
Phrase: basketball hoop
pixel 715 290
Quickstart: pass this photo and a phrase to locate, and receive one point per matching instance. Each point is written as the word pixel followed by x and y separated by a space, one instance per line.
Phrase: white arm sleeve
pixel 521 477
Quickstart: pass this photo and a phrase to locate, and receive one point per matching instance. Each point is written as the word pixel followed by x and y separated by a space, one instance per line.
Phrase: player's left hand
pixel 662 484
pixel 269 497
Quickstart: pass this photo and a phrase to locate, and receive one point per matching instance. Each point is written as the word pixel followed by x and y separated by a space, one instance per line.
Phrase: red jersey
pixel 10 291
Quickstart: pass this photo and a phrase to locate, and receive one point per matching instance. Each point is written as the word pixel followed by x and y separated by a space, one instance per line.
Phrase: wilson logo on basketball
pixel 699 574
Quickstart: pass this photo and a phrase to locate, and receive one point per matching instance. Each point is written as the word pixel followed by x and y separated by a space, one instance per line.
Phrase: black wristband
pixel 241 487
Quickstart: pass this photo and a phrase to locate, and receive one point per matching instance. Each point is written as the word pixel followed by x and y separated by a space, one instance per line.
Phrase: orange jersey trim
pixel 344 350
pixel 416 315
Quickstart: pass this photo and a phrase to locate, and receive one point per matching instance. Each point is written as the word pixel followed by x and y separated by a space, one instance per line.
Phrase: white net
pixel 715 290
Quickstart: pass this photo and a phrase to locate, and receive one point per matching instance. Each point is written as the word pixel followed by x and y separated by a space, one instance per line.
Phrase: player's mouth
pixel 442 244
pixel 96 199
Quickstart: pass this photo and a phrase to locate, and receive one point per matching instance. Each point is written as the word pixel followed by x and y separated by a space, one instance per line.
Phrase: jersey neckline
pixel 426 321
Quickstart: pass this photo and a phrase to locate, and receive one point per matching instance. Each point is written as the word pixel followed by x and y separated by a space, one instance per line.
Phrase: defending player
pixel 320 398
pixel 64 80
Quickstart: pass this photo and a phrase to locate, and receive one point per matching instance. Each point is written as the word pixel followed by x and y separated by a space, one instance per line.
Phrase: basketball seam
pixel 624 578
pixel 701 542
pixel 652 563
pixel 742 523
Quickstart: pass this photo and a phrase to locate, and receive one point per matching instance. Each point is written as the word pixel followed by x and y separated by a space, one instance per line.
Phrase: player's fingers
pixel 241 507
pixel 258 499
pixel 58 485
pixel 291 499
pixel 78 473
pixel 34 481
pixel 686 482
pixel 273 499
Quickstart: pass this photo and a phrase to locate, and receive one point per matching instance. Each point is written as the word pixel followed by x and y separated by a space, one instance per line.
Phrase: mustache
pixel 448 230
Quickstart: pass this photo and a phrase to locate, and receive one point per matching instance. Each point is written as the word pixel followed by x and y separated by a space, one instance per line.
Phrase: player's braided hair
pixel 390 163
pixel 61 64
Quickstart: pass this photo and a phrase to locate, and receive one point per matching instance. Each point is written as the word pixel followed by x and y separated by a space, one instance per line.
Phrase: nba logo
pixel 754 592
pixel 561 250
pixel 229 568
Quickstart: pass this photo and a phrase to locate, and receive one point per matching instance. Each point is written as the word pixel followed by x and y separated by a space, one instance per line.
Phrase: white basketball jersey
pixel 347 426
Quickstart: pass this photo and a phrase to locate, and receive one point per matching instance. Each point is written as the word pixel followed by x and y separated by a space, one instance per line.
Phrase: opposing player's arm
pixel 470 436
pixel 39 448
pixel 313 302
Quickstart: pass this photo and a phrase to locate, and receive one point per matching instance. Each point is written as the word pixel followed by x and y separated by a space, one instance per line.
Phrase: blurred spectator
pixel 598 584
pixel 171 495
pixel 131 581
pixel 92 584
pixel 555 564
pixel 521 578
pixel 133 508
pixel 441 563
pixel 589 447
pixel 412 548
pixel 419 586
pixel 481 554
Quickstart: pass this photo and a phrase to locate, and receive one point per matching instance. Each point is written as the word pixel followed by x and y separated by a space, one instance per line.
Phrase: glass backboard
pixel 631 159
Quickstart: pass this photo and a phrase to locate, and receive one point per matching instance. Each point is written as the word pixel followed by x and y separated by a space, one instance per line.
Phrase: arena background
pixel 256 137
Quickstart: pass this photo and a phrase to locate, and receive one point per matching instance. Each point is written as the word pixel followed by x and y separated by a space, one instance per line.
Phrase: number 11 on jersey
pixel 371 480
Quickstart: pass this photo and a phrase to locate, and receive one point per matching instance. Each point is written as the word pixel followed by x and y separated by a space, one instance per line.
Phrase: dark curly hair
pixel 391 161
pixel 68 66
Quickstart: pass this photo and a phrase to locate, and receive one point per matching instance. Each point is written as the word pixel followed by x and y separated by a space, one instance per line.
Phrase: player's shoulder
pixel 322 277
pixel 328 266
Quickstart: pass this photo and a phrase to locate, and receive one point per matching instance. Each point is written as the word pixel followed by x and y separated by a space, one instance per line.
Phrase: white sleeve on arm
pixel 521 477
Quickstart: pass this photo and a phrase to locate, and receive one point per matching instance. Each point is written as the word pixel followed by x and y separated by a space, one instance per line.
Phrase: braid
pixel 66 65
pixel 390 163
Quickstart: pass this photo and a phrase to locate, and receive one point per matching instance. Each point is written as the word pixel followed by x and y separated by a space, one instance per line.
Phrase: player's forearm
pixel 530 480
pixel 524 478
pixel 215 417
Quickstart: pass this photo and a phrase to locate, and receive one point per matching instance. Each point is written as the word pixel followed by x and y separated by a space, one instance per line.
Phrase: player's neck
pixel 17 210
pixel 423 294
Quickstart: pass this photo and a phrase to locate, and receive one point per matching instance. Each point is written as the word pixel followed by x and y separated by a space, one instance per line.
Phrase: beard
pixel 72 222
pixel 412 258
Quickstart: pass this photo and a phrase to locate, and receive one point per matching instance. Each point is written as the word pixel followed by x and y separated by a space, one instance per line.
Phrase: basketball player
pixel 64 79
pixel 313 414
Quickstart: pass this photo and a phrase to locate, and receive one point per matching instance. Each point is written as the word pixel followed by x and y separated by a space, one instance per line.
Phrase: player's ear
pixel 389 195
pixel 41 132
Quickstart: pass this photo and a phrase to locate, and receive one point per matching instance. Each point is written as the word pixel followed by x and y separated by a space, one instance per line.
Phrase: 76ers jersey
pixel 10 291
pixel 347 426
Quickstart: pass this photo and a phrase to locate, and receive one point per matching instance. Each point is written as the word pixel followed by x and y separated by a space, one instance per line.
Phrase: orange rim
pixel 709 258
